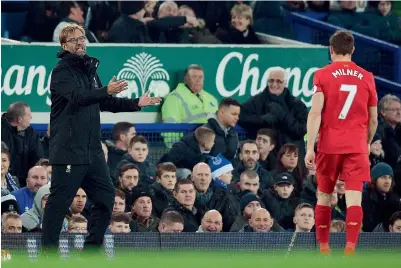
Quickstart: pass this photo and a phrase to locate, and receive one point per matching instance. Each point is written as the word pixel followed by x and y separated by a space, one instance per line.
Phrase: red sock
pixel 354 222
pixel 322 223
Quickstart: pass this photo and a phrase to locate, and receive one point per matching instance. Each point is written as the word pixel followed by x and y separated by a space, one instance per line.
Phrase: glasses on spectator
pixel 79 228
pixel 278 81
pixel 76 40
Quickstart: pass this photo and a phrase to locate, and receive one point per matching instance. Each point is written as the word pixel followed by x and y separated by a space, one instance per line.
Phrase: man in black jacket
pixel 75 149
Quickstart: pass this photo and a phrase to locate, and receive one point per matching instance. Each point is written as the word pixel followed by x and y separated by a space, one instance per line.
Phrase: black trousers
pixel 66 180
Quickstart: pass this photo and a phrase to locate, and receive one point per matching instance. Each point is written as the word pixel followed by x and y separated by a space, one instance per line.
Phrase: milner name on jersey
pixel 347 72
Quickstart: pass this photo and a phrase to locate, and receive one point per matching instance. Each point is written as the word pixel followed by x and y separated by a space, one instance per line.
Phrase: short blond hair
pixel 68 30
pixel 243 10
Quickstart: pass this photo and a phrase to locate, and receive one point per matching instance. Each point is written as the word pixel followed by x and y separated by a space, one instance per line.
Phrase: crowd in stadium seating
pixel 210 22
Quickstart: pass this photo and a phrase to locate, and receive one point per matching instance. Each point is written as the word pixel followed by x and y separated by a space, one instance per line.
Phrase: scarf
pixel 204 199
pixel 10 182
pixel 219 184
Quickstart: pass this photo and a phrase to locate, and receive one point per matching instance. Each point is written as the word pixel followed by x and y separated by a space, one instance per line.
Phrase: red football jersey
pixel 349 91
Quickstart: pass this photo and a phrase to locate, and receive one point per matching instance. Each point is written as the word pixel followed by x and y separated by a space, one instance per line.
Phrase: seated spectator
pixel 212 222
pixel 185 194
pixel 277 109
pixel 248 160
pixel 378 200
pixel 280 200
pixel 32 219
pixel 241 30
pixel 8 205
pixel 266 142
pixel 346 17
pixel 162 189
pixel 78 224
pixel 376 151
pixel 223 125
pixel 171 222
pixel 248 204
pixel 397 177
pixel 119 201
pixel 21 139
pixel 137 154
pixel 78 203
pixel 340 210
pixel 71 12
pixel 304 218
pixel 221 170
pixel 395 223
pixel 43 162
pixel 141 212
pixel 121 134
pixel 45 142
pixel 8 181
pixel 249 180
pixel 37 177
pixel 190 150
pixel 119 223
pixel 309 190
pixel 318 6
pixel 260 222
pixel 389 128
pixel 11 223
pixel 288 161
pixel 127 180
pixel 337 226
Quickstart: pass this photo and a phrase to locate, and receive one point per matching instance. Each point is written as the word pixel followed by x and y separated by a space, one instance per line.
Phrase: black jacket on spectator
pixel 192 219
pixel 147 171
pixel 167 30
pixel 233 36
pixel 161 198
pixel 270 162
pixel 378 208
pixel 224 143
pixel 77 98
pixel 397 177
pixel 185 153
pixel 24 147
pixel 128 30
pixel 128 198
pixel 391 141
pixel 308 193
pixel 115 155
pixel 45 145
pixel 266 179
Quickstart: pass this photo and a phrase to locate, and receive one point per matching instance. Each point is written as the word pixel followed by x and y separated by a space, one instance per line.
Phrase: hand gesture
pixel 115 87
pixel 310 160
pixel 145 100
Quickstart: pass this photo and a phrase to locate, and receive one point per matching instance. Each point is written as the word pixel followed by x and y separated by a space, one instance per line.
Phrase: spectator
pixel 141 212
pixel 7 180
pixel 337 226
pixel 223 125
pixel 105 151
pixel 397 177
pixel 248 204
pixel 249 180
pixel 376 151
pixel 11 223
pixel 304 218
pixel 309 191
pixel 221 170
pixel 45 142
pixel 104 13
pixel 119 201
pixel 318 6
pixel 37 177
pixel 32 219
pixel 266 142
pixel 121 134
pixel 189 102
pixel 127 180
pixel 185 194
pixel 21 139
pixel 171 222
pixel 212 222
pixel 8 205
pixel 260 222
pixel 217 14
pixel 389 128
pixel 162 189
pixel 78 224
pixel 277 109
pixel 43 162
pixel 346 17
pixel 341 207
pixel 137 154
pixel 190 150
pixel 378 201
pixel 241 30
pixel 119 223
pixel 78 204
pixel 249 156
pixel 395 223
pixel 72 13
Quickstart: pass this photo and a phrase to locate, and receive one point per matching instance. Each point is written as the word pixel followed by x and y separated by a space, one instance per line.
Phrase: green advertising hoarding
pixel 230 71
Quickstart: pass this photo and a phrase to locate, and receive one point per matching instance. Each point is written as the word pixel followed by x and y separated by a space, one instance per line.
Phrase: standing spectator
pixel 212 222
pixel 21 139
pixel 171 222
pixel 119 201
pixel 37 177
pixel 223 125
pixel 7 180
pixel 32 219
pixel 127 180
pixel 304 218
pixel 11 223
pixel 141 212
pixel 266 142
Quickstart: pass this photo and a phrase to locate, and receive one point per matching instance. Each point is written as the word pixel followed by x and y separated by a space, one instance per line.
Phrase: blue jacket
pixel 24 198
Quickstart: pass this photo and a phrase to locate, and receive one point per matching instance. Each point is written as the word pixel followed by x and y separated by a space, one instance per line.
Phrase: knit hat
pixel 138 192
pixel 9 204
pixel 219 165
pixel 379 170
pixel 376 137
pixel 246 199
pixel 284 177
pixel 131 7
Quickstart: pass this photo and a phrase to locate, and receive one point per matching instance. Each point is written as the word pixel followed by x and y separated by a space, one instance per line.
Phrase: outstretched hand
pixel 115 87
pixel 145 100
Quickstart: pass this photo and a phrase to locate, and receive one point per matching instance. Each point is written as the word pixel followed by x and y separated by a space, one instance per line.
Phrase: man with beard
pixel 76 155
pixel 79 202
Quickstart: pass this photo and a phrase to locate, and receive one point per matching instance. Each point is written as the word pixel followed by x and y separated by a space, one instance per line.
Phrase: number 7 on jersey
pixel 352 89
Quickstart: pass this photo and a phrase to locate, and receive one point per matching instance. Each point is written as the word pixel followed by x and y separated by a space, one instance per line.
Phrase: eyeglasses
pixel 76 40
pixel 79 228
pixel 271 81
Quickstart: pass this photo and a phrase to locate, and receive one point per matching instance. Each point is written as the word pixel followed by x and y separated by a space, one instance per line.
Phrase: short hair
pixel 278 69
pixel 247 142
pixel 136 139
pixel 120 217
pixel 342 42
pixel 203 134
pixel 384 102
pixel 243 10
pixel 8 216
pixel 192 67
pixel 43 162
pixel 268 132
pixel 171 217
pixel 165 167
pixel 128 166
pixel 68 30
pixel 76 219
pixel 120 128
pixel 250 174
pixel 15 110
pixel 182 182
pixel 339 225
pixel 120 194
pixel 395 217
pixel 5 150
pixel 303 205
pixel 227 102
